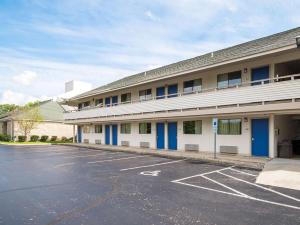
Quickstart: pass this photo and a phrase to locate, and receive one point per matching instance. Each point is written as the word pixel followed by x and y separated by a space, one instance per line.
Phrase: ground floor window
pixel 125 128
pixel 192 127
pixel 230 126
pixel 145 128
pixel 98 129
pixel 86 129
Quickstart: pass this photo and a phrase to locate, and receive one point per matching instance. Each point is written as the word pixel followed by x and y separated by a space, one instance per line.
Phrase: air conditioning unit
pixel 144 144
pixel 125 143
pixel 228 149
pixel 192 147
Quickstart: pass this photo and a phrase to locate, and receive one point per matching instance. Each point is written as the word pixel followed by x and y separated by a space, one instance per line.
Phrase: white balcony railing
pixel 275 89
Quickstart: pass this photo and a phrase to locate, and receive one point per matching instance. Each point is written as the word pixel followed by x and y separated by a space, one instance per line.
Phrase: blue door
pixel 114 100
pixel 259 74
pixel 172 90
pixel 79 134
pixel 107 134
pixel 107 101
pixel 260 137
pixel 115 134
pixel 172 136
pixel 160 132
pixel 160 92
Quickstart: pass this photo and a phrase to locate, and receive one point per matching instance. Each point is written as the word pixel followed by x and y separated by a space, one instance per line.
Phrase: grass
pixel 31 142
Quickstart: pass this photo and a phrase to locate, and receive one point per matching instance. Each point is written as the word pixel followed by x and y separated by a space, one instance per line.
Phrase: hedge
pixel 34 138
pixel 5 137
pixel 53 138
pixel 21 138
pixel 44 138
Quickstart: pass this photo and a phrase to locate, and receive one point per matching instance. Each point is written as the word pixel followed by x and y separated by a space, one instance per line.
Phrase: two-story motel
pixel 252 88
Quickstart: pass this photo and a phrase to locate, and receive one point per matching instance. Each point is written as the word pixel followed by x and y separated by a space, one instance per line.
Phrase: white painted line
pixel 63 165
pixel 262 187
pixel 225 186
pixel 83 156
pixel 202 174
pixel 250 174
pixel 110 160
pixel 158 164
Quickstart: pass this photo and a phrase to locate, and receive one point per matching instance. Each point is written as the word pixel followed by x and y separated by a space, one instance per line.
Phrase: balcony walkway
pixel 236 160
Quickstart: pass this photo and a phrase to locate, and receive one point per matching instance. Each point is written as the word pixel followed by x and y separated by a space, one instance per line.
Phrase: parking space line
pixel 202 174
pixel 223 185
pixel 110 160
pixel 157 164
pixel 63 165
pixel 83 156
pixel 243 172
pixel 262 187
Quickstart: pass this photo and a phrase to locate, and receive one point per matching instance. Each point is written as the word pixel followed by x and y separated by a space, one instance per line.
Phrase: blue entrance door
pixel 160 132
pixel 107 134
pixel 172 136
pixel 114 100
pixel 115 134
pixel 260 137
pixel 172 90
pixel 160 92
pixel 259 74
pixel 79 134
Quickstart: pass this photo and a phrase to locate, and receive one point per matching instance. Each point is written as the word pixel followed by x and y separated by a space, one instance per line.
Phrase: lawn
pixel 30 143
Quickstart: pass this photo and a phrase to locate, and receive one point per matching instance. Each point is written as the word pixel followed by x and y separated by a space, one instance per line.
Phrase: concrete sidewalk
pixel 237 160
pixel 281 173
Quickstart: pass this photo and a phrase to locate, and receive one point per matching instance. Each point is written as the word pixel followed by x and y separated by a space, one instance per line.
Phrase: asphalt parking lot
pixel 69 185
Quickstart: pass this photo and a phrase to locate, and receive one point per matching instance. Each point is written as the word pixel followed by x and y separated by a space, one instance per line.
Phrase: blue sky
pixel 45 43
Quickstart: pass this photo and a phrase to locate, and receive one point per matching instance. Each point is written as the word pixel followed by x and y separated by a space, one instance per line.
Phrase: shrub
pixel 34 138
pixel 70 139
pixel 64 139
pixel 44 138
pixel 5 137
pixel 53 138
pixel 21 138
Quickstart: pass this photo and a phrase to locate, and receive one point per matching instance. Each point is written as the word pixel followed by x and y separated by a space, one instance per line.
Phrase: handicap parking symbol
pixel 151 173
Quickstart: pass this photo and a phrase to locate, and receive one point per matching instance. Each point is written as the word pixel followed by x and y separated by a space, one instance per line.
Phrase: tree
pixel 28 117
pixel 6 108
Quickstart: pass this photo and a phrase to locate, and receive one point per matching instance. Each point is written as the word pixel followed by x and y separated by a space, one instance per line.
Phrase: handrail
pixel 245 84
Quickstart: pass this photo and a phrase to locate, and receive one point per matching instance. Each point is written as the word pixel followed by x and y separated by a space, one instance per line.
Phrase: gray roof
pixel 261 45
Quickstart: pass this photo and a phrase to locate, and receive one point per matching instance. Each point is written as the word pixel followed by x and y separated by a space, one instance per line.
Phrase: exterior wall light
pixel 298 41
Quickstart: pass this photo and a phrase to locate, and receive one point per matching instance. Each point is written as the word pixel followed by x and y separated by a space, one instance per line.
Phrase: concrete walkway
pixel 237 160
pixel 281 173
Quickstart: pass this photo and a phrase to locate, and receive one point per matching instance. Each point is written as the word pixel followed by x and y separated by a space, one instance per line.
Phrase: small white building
pixel 253 89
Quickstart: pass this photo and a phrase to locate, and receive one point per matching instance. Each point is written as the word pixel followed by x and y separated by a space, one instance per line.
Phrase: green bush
pixel 5 137
pixel 53 138
pixel 21 138
pixel 34 138
pixel 44 138
pixel 70 139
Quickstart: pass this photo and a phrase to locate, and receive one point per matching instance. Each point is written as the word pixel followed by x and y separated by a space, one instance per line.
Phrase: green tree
pixel 5 108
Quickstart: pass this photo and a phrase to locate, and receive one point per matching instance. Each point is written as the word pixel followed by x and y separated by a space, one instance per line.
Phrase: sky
pixel 44 43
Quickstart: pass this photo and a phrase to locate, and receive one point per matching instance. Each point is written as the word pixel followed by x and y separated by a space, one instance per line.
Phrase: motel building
pixel 252 89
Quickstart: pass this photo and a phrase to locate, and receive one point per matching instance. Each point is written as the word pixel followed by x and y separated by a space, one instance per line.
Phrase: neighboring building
pixel 52 123
pixel 252 88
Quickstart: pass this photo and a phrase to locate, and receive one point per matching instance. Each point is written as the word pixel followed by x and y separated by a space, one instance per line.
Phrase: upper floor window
pixel 172 90
pixel 114 100
pixel 98 129
pixel 145 128
pixel 192 86
pixel 84 105
pixel 145 95
pixel 230 126
pixel 99 102
pixel 192 127
pixel 229 79
pixel 107 101
pixel 126 97
pixel 125 128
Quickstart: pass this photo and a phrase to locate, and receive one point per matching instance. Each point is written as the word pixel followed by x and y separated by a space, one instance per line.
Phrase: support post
pixel 74 133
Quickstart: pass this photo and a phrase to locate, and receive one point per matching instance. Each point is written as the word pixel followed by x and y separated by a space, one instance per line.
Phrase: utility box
pixel 285 150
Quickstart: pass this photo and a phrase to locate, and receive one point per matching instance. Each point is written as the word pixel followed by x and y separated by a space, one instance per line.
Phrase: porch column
pixel 272 152
pixel 74 133
pixel 272 70
pixel 12 130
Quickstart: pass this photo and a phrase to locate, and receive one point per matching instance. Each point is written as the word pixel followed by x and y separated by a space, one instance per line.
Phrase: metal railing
pixel 202 91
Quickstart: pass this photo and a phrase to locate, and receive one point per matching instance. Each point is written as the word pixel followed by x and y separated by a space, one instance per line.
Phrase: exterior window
pixel 84 105
pixel 192 127
pixel 125 128
pixel 145 95
pixel 230 127
pixel 80 106
pixel 126 97
pixel 99 102
pixel 192 86
pixel 98 129
pixel 145 128
pixel 229 79
pixel 114 100
pixel 86 129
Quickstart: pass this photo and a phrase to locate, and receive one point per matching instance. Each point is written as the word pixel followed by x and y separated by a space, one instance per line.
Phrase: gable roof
pixel 257 46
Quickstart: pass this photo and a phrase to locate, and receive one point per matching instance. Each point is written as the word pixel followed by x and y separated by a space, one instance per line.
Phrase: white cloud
pixel 18 98
pixel 25 78
pixel 150 15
